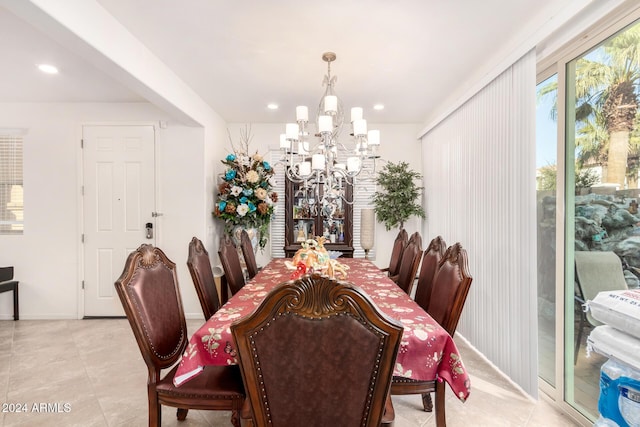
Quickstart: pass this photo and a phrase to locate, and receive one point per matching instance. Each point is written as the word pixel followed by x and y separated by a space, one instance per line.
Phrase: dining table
pixel 427 352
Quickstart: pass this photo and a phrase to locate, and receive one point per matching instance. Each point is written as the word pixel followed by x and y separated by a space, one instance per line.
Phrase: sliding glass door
pixel 599 127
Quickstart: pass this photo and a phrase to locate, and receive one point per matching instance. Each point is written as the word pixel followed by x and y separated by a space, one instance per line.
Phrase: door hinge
pixel 82 238
pixel 83 284
pixel 82 190
pixel 82 143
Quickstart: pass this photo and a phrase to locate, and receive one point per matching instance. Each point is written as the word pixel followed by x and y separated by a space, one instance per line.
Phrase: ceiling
pixel 410 55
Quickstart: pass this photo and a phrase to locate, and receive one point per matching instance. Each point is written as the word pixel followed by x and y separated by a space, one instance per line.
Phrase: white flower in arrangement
pixel 244 160
pixel 236 190
pixel 242 210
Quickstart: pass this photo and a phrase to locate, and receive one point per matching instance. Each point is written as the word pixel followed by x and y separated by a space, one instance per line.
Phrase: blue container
pixel 620 393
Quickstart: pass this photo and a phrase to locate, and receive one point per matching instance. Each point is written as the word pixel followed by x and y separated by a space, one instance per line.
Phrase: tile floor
pixel 90 373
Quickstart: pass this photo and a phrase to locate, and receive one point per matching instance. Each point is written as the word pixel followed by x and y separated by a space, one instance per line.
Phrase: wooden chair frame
pixel 248 254
pixel 396 253
pixel 230 261
pixel 454 280
pixel 411 257
pixel 149 292
pixel 7 284
pixel 428 268
pixel 199 265
pixel 316 304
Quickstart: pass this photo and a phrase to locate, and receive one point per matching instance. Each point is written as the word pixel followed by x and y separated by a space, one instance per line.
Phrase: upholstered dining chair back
pixel 396 253
pixel 428 267
pixel 450 288
pixel 416 237
pixel 149 292
pixel 199 266
pixel 411 256
pixel 248 254
pixel 230 261
pixel 317 352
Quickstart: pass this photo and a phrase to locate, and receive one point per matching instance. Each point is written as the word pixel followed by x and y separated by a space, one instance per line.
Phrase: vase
pixel 253 236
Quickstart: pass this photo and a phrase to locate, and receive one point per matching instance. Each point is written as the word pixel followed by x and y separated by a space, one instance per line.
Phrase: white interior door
pixel 119 199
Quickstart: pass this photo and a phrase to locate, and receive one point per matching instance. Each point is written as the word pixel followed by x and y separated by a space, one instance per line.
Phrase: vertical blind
pixel 479 179
pixel 11 189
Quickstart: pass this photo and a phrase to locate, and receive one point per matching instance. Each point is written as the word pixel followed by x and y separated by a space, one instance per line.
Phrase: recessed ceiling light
pixel 272 106
pixel 49 69
pixel 378 107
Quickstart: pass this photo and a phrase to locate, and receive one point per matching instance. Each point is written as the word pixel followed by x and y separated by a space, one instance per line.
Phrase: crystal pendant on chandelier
pixel 328 163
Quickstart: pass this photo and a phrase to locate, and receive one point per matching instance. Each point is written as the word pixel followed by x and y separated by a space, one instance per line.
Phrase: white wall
pixel 46 257
pixel 399 143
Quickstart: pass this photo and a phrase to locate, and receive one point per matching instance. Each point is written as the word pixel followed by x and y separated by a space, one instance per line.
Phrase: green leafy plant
pixel 397 198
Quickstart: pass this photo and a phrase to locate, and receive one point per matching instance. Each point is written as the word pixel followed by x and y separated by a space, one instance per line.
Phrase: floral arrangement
pixel 313 256
pixel 245 196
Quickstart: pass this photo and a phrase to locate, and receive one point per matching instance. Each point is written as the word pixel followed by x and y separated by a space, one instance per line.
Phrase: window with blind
pixel 11 189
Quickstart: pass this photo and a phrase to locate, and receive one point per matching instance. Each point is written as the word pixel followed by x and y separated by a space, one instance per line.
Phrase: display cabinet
pixel 305 220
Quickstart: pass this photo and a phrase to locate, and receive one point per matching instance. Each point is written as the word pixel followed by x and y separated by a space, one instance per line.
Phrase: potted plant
pixel 396 199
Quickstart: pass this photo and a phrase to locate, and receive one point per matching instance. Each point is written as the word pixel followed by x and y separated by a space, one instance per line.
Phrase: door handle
pixel 156 214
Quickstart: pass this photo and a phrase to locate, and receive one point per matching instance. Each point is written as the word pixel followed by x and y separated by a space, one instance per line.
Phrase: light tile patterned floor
pixel 90 373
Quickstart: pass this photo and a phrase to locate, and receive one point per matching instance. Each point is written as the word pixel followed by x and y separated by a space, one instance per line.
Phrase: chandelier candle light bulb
pixel 325 124
pixel 373 137
pixel 317 162
pixel 304 168
pixel 292 130
pixel 356 113
pixel 331 104
pixel 284 143
pixel 359 127
pixel 302 113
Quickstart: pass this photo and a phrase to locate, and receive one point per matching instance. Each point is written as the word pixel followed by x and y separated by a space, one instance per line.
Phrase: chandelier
pixel 323 166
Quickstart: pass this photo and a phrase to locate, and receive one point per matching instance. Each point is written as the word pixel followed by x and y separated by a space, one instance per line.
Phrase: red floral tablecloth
pixel 426 351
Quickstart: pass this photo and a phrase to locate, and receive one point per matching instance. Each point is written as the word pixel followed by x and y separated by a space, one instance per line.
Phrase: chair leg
pixel 155 409
pixel 181 414
pixel 441 417
pixel 235 418
pixel 427 403
pixel 16 311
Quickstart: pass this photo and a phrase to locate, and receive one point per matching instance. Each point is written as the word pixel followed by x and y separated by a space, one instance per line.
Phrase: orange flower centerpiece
pixel 313 256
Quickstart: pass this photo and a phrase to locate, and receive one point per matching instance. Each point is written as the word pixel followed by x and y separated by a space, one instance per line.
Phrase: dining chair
pixel 7 284
pixel 428 267
pixel 411 256
pixel 199 266
pixel 595 271
pixel 449 292
pixel 230 261
pixel 149 292
pixel 248 254
pixel 396 253
pixel 317 352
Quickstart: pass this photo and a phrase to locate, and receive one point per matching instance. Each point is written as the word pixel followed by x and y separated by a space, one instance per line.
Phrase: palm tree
pixel 609 86
pixel 607 102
